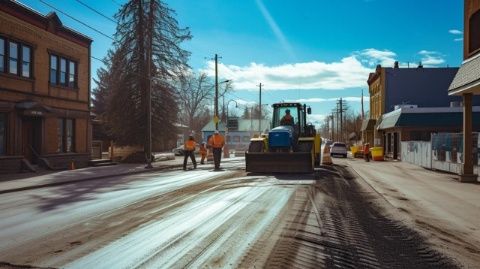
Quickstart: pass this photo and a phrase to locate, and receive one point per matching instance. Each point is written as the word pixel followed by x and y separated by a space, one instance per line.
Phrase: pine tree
pixel 147 33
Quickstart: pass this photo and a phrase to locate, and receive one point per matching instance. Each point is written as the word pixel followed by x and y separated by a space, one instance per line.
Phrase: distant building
pixel 44 90
pixel 237 138
pixel 412 123
pixel 391 86
pixel 467 81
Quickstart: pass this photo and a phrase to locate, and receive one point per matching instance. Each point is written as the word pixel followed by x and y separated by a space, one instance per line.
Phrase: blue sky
pixel 314 51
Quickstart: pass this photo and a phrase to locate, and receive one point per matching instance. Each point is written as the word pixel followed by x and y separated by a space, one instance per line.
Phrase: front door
pixel 395 145
pixel 31 138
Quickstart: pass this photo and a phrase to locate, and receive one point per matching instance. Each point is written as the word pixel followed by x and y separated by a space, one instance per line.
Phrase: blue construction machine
pixel 291 146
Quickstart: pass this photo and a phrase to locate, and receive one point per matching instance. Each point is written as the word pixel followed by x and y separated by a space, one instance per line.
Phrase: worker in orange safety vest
pixel 203 152
pixel 216 141
pixel 366 152
pixel 189 151
pixel 287 119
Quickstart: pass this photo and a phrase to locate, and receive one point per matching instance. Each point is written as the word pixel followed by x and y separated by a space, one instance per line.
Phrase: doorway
pixel 395 145
pixel 31 138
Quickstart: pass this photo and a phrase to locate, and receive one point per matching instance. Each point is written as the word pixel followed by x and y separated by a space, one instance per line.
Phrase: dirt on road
pixel 241 221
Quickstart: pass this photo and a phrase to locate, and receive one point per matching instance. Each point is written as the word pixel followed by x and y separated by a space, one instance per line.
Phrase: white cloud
pixel 244 102
pixel 322 100
pixel 431 58
pixel 316 119
pixel 455 32
pixel 372 57
pixel 458 39
pixel 347 73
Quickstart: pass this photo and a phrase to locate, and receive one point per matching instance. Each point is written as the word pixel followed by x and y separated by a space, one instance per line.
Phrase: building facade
pixel 467 81
pixel 393 86
pixel 44 91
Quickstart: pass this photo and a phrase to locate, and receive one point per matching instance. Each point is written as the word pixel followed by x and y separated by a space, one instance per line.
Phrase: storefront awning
pixel 467 78
pixel 33 108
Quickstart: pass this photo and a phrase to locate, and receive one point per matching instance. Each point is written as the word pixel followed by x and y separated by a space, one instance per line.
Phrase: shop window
pixel 474 32
pixel 66 135
pixel 60 135
pixel 70 135
pixel 2 55
pixel 3 133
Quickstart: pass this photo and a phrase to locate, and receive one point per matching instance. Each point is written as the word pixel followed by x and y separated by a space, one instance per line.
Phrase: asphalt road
pixel 201 218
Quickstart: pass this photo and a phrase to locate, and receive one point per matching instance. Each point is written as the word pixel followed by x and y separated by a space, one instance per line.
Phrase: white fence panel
pixel 417 152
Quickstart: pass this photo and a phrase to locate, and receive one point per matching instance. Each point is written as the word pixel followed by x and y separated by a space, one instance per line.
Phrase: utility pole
pixel 215 117
pixel 260 110
pixel 341 120
pixel 148 148
pixel 363 115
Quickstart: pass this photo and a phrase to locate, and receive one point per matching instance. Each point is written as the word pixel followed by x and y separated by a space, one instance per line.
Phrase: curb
pixel 89 178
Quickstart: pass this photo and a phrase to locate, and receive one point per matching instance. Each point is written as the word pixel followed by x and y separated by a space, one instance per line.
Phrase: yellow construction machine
pixel 291 146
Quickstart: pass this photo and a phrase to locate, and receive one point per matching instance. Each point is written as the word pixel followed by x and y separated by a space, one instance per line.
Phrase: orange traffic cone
pixel 326 158
pixel 72 165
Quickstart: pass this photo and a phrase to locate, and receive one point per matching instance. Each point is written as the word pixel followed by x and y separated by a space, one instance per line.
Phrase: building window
pixel 26 61
pixel 13 58
pixel 3 133
pixel 60 132
pixel 70 135
pixel 2 55
pixel 66 135
pixel 63 72
pixel 53 69
pixel 474 32
pixel 71 75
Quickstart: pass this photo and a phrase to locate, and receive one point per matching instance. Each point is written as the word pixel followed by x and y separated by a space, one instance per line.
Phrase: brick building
pixel 44 91
pixel 393 86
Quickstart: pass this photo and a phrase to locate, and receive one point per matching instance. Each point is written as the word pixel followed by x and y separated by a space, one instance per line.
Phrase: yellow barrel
pixel 354 149
pixel 377 153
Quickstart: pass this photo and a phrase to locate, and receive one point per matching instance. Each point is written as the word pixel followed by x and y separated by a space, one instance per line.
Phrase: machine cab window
pixel 281 116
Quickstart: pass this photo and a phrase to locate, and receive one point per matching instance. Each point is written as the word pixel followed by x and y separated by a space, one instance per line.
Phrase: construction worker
pixel 203 152
pixel 366 152
pixel 189 151
pixel 287 119
pixel 216 141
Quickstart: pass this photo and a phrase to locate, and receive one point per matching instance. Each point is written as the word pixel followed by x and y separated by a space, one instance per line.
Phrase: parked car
pixel 179 151
pixel 338 149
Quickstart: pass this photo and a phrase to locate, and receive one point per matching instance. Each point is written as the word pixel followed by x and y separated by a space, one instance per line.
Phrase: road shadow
pixel 80 191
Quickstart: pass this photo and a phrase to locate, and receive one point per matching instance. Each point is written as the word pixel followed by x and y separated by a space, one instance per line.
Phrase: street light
pixel 226 151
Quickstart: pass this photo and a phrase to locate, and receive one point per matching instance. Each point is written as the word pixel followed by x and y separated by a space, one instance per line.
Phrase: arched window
pixel 474 32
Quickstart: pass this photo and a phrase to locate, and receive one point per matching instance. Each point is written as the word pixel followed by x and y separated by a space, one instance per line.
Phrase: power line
pixel 96 11
pixel 116 3
pixel 84 24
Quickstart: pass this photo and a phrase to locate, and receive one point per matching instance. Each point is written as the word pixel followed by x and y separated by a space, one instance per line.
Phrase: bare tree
pixel 195 93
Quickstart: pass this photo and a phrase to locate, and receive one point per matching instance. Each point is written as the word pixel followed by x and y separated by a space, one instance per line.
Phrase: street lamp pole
pixel 216 93
pixel 226 150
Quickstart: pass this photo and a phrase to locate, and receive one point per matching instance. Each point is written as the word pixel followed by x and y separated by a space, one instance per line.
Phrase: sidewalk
pixel 445 210
pixel 33 181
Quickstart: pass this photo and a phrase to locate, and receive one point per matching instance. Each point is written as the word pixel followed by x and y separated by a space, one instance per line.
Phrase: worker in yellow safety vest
pixel 216 141
pixel 189 151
